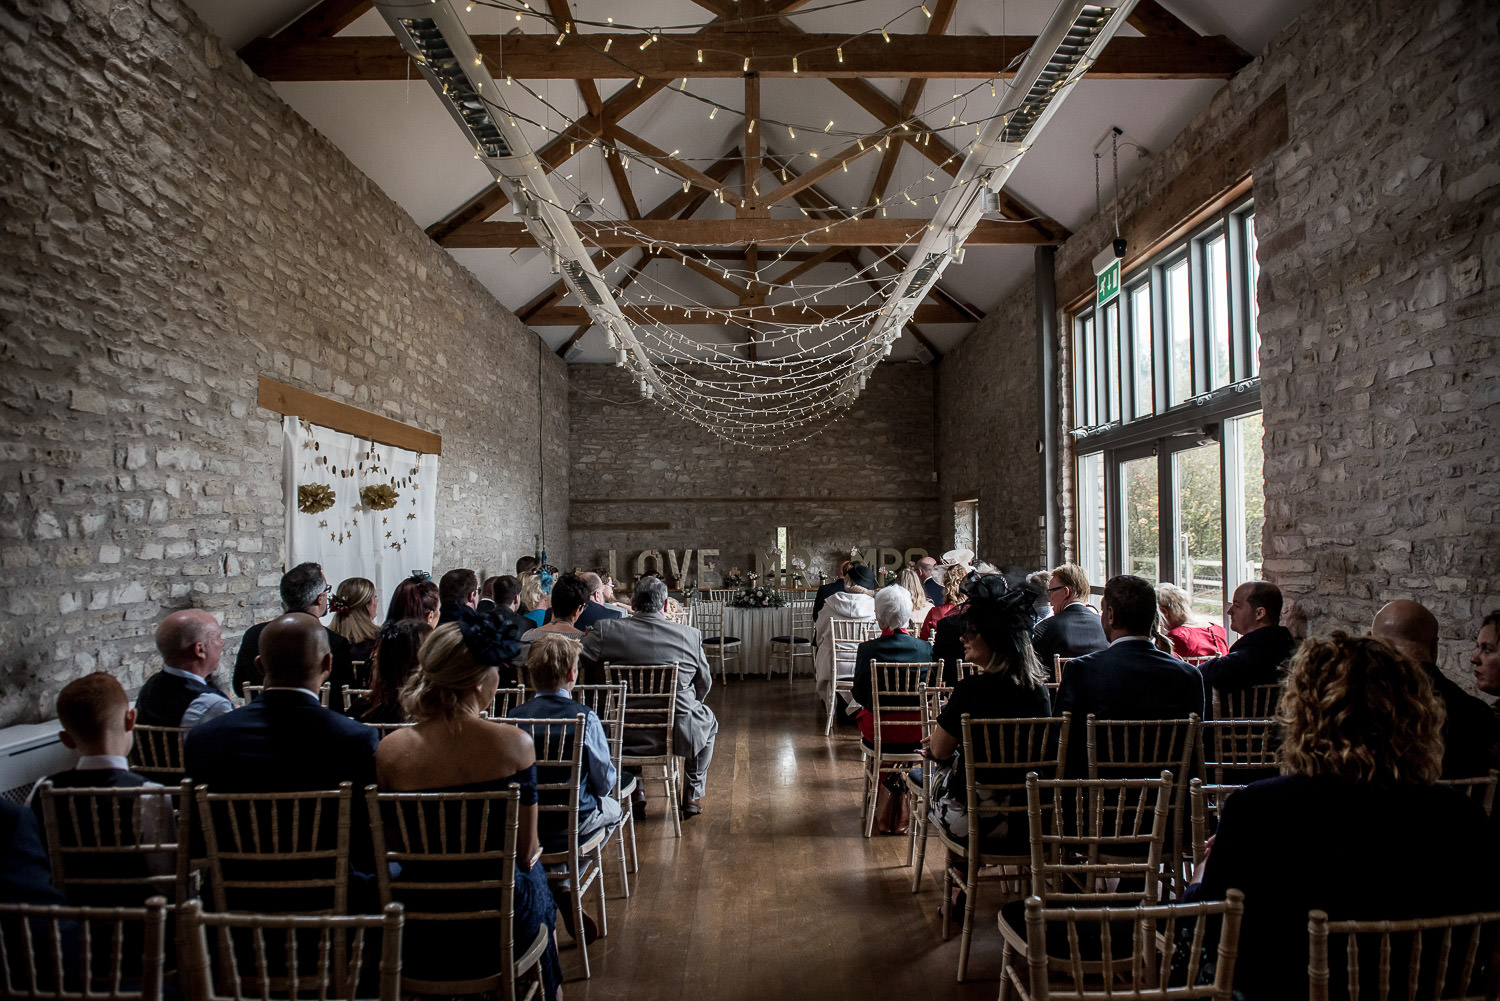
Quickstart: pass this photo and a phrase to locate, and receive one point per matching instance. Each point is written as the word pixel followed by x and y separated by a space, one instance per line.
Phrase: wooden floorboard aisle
pixel 772 892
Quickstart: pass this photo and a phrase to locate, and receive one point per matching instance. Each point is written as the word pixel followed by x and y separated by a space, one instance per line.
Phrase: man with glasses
pixel 1074 628
pixel 303 589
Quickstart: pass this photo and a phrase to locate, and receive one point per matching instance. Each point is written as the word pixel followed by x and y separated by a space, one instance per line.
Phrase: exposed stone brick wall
pixel 867 480
pixel 989 410
pixel 171 231
pixel 1379 291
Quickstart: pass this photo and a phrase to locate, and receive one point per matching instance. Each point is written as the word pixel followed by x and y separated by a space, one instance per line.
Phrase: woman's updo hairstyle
pixel 1002 618
pixel 452 661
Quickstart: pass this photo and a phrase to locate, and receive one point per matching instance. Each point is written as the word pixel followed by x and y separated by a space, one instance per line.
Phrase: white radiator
pixel 28 752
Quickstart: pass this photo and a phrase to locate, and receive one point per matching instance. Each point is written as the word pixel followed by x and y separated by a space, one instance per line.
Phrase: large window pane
pixel 1112 358
pixel 1253 267
pixel 1179 333
pixel 1252 495
pixel 1140 527
pixel 1083 372
pixel 1199 518
pixel 1140 330
pixel 1092 554
pixel 1216 284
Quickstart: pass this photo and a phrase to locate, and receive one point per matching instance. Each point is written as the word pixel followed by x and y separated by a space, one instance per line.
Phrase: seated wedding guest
pixel 1191 634
pixel 25 874
pixel 1354 825
pixel 1041 607
pixel 920 605
pixel 181 694
pixel 303 589
pixel 953 596
pixel 893 645
pixel 1470 731
pixel 825 591
pixel 536 589
pixel 1256 658
pixel 393 662
pixel 1486 656
pixel 451 749
pixel 931 576
pixel 647 636
pixel 1130 678
pixel 526 565
pixel 1009 685
pixel 416 597
pixel 458 589
pixel 569 596
pixel 1073 629
pixel 598 605
pixel 856 601
pixel 552 662
pixel 354 606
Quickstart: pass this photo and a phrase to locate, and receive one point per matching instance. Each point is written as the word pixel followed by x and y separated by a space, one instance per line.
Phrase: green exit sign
pixel 1107 283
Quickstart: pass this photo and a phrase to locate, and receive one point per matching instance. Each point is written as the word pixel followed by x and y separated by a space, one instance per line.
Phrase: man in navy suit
pixel 597 608
pixel 285 741
pixel 303 589
pixel 1264 644
pixel 1131 678
pixel 1072 629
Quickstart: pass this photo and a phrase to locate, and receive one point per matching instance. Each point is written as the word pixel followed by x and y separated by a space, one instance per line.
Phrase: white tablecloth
pixel 755 627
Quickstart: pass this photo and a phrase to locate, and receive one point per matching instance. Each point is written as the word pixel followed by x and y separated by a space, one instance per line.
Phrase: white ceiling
pixel 399 135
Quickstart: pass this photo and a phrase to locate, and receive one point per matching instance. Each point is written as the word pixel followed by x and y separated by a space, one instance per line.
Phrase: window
pixel 781 546
pixel 1167 412
pixel 966 525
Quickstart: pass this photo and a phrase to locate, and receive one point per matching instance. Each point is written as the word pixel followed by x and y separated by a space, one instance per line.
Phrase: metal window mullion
pixel 1161 346
pixel 1198 320
pixel 1239 293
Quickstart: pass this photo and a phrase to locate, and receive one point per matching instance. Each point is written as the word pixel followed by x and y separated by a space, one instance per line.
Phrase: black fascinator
pixel 490 641
pixel 1000 614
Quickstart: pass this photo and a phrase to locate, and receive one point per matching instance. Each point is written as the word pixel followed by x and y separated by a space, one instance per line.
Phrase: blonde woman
pixel 354 606
pixel 451 749
pixel 1355 824
pixel 536 595
pixel 1191 634
pixel 953 597
pixel 920 606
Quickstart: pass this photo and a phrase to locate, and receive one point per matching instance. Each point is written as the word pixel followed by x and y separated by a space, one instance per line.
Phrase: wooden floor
pixel 772 892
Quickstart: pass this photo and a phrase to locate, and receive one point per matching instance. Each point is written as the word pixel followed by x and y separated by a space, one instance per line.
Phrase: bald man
pixel 1471 731
pixel 181 694
pixel 1264 644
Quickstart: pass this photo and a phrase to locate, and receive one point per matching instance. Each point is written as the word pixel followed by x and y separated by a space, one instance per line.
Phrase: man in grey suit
pixel 647 636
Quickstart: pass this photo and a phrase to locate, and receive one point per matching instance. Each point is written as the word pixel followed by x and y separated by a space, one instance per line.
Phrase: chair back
pixel 963 669
pixel 1205 805
pixel 607 700
pixel 1238 751
pixel 43 948
pixel 1255 702
pixel 1058 660
pixel 722 594
pixel 651 707
pixel 114 847
pixel 157 753
pixel 506 699
pixel 1454 958
pixel 1138 748
pixel 1147 971
pixel 999 754
pixel 710 617
pixel 278 852
pixel 848 634
pixel 1480 788
pixel 353 695
pixel 350 951
pixel 802 618
pixel 1090 837
pixel 456 853
pixel 559 767
pixel 252 692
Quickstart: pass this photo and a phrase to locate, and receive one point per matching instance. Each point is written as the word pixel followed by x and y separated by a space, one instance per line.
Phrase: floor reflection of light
pixel 786 762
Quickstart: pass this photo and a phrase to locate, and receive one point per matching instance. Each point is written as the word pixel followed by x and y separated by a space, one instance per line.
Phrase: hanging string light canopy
pixel 812 347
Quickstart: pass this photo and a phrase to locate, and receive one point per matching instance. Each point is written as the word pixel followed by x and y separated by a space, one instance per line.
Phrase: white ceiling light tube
pixel 436 40
pixel 1070 43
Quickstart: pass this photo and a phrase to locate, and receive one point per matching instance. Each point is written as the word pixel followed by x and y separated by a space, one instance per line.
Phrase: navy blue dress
pixel 443 950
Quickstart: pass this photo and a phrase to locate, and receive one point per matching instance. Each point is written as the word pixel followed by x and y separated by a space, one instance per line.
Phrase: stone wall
pixel 645 479
pixel 1379 292
pixel 989 411
pixel 171 232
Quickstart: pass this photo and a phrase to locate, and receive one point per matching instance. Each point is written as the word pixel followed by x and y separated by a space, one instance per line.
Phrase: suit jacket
pixel 594 612
pixel 285 742
pixel 1471 731
pixel 246 673
pixel 1255 659
pixel 1072 632
pixel 25 875
pixel 1129 680
pixel 933 590
pixel 898 647
pixel 652 638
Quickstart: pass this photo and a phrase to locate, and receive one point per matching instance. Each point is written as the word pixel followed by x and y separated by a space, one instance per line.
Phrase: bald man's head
pixel 294 652
pixel 1408 627
pixel 190 640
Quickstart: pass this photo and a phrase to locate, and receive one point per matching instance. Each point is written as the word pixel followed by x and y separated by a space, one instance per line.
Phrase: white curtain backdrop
pixel 350 539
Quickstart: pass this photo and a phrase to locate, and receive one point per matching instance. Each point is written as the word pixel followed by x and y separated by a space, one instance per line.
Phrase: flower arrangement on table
pixel 734 578
pixel 758 596
pixel 885 576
